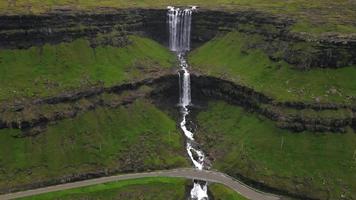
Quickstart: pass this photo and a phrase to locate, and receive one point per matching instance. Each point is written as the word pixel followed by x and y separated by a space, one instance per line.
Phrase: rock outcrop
pixel 33 115
pixel 303 50
pixel 295 116
pixel 110 26
pixel 63 26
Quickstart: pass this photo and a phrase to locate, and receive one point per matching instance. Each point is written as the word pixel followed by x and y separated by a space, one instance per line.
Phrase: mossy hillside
pixel 135 137
pixel 240 143
pixel 50 69
pixel 144 189
pixel 231 56
pixel 313 16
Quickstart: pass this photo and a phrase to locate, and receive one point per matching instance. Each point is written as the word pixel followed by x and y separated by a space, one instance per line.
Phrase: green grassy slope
pixel 143 189
pixel 316 15
pixel 47 70
pixel 220 192
pixel 133 137
pixel 317 165
pixel 228 56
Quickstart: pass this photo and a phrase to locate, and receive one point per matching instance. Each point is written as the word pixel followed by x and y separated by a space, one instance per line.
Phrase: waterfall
pixel 185 96
pixel 179 28
pixel 179 21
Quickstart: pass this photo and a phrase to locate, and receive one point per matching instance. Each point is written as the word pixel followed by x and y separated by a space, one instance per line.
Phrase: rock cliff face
pixel 33 116
pixel 302 50
pixel 207 24
pixel 276 39
pixel 110 27
pixel 295 116
pixel 61 26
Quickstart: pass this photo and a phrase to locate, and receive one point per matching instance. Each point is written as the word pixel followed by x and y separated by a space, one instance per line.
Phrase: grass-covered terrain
pixel 157 188
pixel 143 189
pixel 314 16
pixel 134 137
pixel 230 57
pixel 220 192
pixel 240 143
pixel 50 69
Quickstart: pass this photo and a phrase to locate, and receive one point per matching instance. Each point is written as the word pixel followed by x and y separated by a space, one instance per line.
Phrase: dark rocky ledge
pixel 278 42
pixel 32 116
pixel 62 26
pixel 210 87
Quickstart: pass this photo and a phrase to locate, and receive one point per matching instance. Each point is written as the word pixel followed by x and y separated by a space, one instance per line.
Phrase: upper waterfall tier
pixel 180 21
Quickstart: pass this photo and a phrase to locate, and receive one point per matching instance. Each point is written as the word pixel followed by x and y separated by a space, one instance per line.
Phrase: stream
pixel 179 21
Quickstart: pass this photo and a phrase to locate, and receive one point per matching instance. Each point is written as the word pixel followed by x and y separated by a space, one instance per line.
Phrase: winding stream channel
pixel 179 21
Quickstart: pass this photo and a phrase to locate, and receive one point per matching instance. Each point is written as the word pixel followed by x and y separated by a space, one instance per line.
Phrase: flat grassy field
pixel 313 16
pixel 134 137
pixel 50 69
pixel 227 56
pixel 240 143
pixel 143 189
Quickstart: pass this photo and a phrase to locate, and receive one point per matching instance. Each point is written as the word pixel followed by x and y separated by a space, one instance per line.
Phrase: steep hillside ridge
pixel 296 116
pixel 232 57
pixel 251 148
pixel 277 39
pixel 110 26
pixel 23 31
pixel 32 116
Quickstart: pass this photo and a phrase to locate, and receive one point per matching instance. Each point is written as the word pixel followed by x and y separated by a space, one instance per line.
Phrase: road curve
pixel 189 173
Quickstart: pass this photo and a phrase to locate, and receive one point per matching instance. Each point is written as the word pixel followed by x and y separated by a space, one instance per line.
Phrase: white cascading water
pixel 179 41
